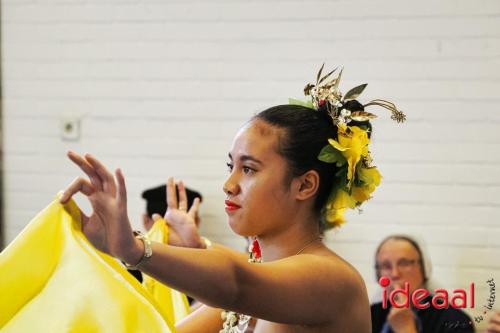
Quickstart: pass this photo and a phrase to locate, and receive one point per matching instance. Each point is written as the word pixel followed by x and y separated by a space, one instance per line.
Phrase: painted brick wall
pixel 161 87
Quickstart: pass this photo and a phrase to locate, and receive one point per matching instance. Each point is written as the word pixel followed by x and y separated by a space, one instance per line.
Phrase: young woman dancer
pixel 293 170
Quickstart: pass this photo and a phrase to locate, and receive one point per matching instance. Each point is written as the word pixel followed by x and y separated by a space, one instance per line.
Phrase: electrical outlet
pixel 70 129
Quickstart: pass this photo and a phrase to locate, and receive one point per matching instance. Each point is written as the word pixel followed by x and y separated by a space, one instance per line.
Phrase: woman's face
pixel 398 260
pixel 258 202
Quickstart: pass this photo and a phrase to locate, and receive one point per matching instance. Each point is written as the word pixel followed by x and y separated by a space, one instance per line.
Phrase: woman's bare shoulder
pixel 336 285
pixel 330 264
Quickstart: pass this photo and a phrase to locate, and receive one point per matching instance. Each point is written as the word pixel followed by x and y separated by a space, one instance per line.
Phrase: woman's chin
pixel 238 227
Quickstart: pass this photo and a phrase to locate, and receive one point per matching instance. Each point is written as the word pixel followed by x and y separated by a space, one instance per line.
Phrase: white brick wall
pixel 162 86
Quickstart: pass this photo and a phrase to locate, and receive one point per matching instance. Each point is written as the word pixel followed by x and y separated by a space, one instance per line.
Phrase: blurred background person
pixel 156 203
pixel 400 258
pixel 494 323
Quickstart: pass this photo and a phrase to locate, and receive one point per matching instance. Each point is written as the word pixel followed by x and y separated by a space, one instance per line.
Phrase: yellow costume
pixel 53 280
pixel 173 303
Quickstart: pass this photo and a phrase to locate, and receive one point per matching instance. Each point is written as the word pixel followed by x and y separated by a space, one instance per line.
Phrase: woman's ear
pixel 307 185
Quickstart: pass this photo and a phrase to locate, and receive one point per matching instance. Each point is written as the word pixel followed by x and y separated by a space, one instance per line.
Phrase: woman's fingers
pixel 183 202
pixel 121 188
pixel 78 185
pixel 106 176
pixel 171 194
pixel 194 207
pixel 86 168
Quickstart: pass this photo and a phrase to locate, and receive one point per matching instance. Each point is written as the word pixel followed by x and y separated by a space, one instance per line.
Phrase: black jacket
pixel 431 320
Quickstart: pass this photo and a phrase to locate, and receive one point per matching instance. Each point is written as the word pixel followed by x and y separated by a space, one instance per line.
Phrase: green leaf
pixel 307 104
pixel 342 173
pixel 331 155
pixel 355 92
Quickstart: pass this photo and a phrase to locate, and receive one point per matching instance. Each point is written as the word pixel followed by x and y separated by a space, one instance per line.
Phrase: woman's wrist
pixel 134 252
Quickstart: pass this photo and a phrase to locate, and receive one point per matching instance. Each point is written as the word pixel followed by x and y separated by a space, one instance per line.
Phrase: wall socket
pixel 70 129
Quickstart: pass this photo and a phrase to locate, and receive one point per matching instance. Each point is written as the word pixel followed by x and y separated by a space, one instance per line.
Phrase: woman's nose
pixel 231 187
pixel 395 272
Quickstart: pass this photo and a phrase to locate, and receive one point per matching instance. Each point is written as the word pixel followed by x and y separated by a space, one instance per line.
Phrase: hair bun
pixel 322 111
pixel 353 106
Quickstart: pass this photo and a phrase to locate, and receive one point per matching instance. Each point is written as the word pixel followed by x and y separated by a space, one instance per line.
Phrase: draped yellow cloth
pixel 173 303
pixel 53 280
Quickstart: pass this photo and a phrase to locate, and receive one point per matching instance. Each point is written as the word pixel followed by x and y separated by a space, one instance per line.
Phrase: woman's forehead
pixel 397 248
pixel 256 138
pixel 260 128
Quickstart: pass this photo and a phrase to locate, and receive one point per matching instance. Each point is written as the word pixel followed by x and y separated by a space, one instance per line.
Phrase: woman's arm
pixel 204 320
pixel 303 289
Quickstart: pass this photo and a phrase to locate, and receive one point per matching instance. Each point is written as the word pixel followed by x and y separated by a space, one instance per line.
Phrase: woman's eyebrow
pixel 244 158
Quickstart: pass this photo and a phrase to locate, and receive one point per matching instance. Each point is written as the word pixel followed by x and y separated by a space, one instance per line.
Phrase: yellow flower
pixel 370 176
pixel 335 217
pixel 353 144
pixel 336 207
pixel 343 200
pixel 371 179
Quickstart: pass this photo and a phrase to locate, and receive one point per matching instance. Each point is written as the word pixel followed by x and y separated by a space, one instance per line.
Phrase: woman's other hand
pixel 181 221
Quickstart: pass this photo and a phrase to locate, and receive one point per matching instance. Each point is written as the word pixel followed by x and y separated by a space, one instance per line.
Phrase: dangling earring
pixel 254 251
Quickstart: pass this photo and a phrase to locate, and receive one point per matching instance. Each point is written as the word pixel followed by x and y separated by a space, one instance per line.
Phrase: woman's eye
pixel 247 170
pixel 229 167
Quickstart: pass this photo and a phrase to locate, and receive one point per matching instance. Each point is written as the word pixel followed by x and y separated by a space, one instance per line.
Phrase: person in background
pixel 494 324
pixel 400 258
pixel 156 207
pixel 156 203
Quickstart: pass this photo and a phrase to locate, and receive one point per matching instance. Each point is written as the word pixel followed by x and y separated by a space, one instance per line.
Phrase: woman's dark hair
pixel 305 133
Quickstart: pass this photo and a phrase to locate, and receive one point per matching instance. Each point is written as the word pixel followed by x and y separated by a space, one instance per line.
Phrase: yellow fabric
pixel 53 280
pixel 173 303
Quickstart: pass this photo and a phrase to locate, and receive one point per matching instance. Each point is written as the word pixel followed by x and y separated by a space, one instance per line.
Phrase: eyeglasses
pixel 401 264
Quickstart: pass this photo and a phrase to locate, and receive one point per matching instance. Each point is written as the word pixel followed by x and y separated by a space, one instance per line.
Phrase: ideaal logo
pixel 440 299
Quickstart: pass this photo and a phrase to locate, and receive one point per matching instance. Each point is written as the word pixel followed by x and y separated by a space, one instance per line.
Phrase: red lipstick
pixel 231 206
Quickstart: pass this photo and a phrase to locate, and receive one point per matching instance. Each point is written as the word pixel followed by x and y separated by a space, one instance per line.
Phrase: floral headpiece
pixel 357 177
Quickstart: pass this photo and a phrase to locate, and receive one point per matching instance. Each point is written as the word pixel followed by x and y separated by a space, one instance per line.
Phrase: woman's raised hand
pixel 181 221
pixel 108 227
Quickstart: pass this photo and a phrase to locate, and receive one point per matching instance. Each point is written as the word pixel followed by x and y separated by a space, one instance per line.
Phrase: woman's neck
pixel 299 236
